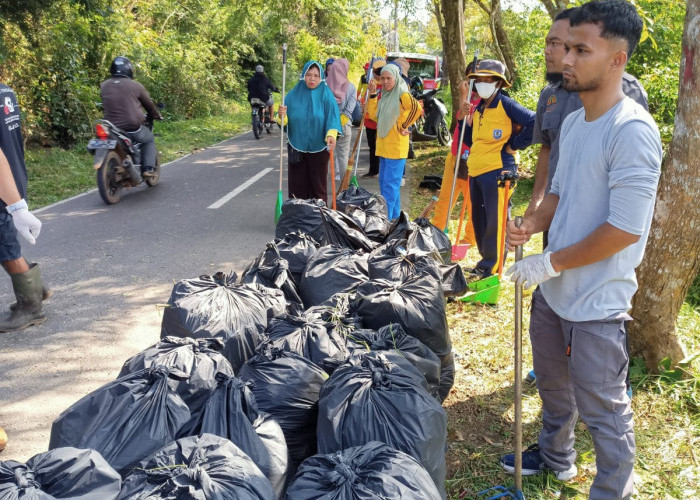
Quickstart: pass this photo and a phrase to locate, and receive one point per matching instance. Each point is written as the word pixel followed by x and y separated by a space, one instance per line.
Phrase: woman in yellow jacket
pixel 394 113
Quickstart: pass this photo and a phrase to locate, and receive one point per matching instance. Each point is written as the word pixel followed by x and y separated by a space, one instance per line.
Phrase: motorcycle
pixel 433 124
pixel 117 161
pixel 260 117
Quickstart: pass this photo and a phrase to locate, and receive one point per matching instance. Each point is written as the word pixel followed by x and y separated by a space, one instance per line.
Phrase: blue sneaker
pixel 533 464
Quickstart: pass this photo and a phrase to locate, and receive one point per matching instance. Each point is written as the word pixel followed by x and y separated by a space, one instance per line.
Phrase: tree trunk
pixel 672 257
pixel 452 35
pixel 500 37
pixel 554 6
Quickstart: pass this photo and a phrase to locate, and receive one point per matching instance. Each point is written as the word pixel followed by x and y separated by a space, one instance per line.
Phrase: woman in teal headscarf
pixel 313 123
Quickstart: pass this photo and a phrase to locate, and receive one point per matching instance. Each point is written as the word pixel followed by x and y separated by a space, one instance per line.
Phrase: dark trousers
pixel 144 136
pixel 487 217
pixel 308 174
pixel 373 158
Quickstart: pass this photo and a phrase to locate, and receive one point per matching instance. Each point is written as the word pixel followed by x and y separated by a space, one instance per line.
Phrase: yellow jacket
pixel 395 146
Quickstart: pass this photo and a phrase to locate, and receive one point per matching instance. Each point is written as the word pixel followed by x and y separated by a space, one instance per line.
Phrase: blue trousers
pixel 390 174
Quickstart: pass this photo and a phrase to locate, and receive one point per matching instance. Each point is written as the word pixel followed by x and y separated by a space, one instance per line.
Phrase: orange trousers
pixel 441 208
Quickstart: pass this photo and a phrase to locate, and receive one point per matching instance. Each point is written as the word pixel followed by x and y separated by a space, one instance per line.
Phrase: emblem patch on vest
pixel 497 133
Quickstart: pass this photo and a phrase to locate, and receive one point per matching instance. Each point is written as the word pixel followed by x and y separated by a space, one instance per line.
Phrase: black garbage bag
pixel 199 359
pixel 447 374
pixel 231 412
pixel 426 238
pixel 416 303
pixel 357 196
pixel 286 386
pixel 125 420
pixel 336 316
pixel 302 216
pixel 393 338
pixel 61 473
pixel 197 467
pixel 368 210
pixel 394 262
pixel 342 230
pixel 367 472
pixel 374 398
pixel 329 271
pixel 296 248
pixel 326 226
pixel 309 337
pixel 454 284
pixel 270 269
pixel 216 306
pixel 400 227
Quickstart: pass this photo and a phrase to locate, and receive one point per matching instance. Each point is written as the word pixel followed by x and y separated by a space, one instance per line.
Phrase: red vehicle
pixel 427 66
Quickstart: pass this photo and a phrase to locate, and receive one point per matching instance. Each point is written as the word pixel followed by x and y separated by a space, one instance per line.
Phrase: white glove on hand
pixel 27 225
pixel 532 270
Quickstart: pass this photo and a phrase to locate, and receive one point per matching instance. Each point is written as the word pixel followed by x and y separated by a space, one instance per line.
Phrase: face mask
pixel 485 90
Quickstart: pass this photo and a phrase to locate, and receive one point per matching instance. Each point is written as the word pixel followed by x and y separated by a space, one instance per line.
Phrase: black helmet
pixel 121 66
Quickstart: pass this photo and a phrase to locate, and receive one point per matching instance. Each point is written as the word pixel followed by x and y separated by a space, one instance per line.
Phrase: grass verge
pixel 480 406
pixel 56 174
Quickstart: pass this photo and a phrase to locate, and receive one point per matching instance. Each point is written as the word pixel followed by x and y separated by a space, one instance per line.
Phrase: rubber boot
pixel 46 294
pixel 28 291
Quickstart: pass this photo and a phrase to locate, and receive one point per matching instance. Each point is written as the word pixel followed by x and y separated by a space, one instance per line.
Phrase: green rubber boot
pixel 28 291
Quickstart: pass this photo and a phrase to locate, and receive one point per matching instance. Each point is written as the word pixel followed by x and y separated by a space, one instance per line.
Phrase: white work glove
pixel 27 225
pixel 532 270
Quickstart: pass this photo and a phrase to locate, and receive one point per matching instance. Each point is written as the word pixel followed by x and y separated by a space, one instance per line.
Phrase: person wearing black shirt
pixel 15 218
pixel 259 86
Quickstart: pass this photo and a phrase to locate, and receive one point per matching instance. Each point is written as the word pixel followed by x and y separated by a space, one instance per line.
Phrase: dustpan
pixel 483 291
pixel 459 251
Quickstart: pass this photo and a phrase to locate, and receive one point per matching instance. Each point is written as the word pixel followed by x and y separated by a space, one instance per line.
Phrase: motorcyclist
pixel 259 86
pixel 123 101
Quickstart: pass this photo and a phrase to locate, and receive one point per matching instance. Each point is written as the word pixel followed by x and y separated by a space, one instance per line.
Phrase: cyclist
pixel 259 86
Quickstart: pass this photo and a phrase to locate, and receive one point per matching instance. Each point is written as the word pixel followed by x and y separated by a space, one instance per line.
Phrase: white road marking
pixel 249 182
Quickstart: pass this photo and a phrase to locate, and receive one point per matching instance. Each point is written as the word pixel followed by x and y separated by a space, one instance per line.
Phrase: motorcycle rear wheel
pixel 110 191
pixel 257 126
pixel 443 133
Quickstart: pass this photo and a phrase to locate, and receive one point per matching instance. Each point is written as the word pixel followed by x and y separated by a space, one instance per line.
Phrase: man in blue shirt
pixel 598 213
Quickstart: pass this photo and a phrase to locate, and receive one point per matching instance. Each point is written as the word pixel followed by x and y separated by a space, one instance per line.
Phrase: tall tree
pixel 450 19
pixel 500 36
pixel 672 257
pixel 554 6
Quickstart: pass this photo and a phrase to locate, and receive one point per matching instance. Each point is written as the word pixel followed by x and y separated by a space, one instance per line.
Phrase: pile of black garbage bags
pixel 317 373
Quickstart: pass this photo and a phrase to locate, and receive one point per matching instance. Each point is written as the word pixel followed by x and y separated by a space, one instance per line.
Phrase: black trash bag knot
pixel 343 473
pixel 24 478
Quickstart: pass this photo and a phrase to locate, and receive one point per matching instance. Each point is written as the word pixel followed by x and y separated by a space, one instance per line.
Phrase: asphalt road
pixel 113 267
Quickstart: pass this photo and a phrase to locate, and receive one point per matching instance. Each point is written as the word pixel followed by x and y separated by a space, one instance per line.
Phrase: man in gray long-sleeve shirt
pixel 555 104
pixel 123 101
pixel 599 212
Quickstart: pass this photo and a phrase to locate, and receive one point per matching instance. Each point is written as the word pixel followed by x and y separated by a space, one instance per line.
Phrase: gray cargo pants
pixel 581 369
